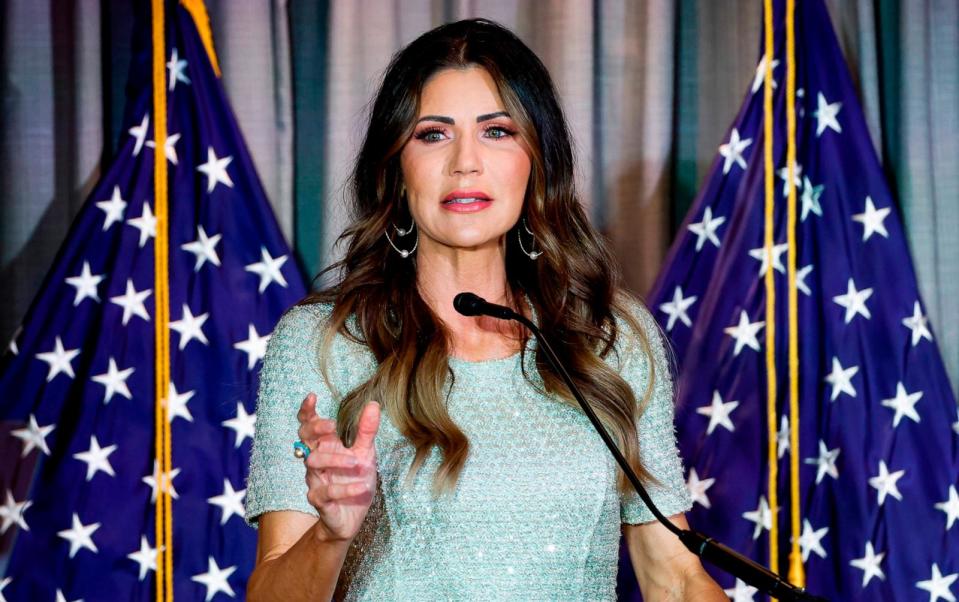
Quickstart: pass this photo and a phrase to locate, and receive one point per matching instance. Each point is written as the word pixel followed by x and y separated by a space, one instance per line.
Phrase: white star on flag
pixel 872 220
pixel 132 302
pixel 706 229
pixel 811 540
pixel 760 76
pixel 175 66
pixel 190 327
pixel 230 502
pixel 215 580
pixel 825 462
pixel 938 585
pixel 79 536
pixel 741 592
pixel 215 170
pixel 745 333
pixel 718 412
pixel 115 381
pixel 145 557
pixel 4 583
pixel 112 208
pixel 97 458
pixel 783 173
pixel 782 437
pixel 810 198
pixel 33 436
pixel 801 285
pixel 918 324
pixel 869 564
pixel 11 513
pixel 697 488
pixel 242 425
pixel 950 507
pixel 854 301
pixel 166 485
pixel 268 269
pixel 676 309
pixel 733 151
pixel 776 253
pixel 254 347
pixel 146 224
pixel 139 132
pixel 204 247
pixel 13 341
pixel 86 284
pixel 841 379
pixel 885 483
pixel 904 403
pixel 761 516
pixel 169 147
pixel 59 360
pixel 177 404
pixel 826 115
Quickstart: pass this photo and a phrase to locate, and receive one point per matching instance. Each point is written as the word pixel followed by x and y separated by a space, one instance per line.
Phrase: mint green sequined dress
pixel 535 514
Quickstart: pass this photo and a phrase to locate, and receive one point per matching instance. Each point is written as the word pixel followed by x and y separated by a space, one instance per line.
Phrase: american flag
pixel 878 431
pixel 77 382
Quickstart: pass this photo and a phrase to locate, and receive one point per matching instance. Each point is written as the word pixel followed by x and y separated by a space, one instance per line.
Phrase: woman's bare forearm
pixel 308 570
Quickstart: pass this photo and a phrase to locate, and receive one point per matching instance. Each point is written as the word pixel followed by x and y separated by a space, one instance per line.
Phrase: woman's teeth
pixel 464 200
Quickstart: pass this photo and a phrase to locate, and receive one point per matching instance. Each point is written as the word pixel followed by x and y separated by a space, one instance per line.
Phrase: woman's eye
pixel 431 135
pixel 496 131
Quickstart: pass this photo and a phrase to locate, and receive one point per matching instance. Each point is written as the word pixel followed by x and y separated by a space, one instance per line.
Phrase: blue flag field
pixel 78 475
pixel 878 436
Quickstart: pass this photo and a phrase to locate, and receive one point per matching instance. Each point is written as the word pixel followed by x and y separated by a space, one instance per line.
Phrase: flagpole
pixel 162 443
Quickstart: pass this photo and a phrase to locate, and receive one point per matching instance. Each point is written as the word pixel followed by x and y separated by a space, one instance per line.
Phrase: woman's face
pixel 465 168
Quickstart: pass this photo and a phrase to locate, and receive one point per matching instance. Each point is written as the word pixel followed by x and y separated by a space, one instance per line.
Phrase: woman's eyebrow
pixel 451 121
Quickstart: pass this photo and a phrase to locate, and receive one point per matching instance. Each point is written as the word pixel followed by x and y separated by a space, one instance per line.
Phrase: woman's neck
pixel 442 276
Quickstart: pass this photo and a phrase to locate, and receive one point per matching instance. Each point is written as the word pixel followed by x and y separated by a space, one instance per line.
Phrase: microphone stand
pixel 705 547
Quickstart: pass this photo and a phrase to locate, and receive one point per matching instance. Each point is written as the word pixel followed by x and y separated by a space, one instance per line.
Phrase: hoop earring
pixel 405 231
pixel 402 232
pixel 532 253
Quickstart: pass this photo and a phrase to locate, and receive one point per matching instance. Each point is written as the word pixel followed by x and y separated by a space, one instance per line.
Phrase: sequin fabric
pixel 535 515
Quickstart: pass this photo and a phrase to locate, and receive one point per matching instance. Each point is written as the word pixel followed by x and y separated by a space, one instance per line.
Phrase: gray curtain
pixel 649 88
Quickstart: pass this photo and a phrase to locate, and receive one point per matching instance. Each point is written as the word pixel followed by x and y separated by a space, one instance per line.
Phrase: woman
pixel 482 480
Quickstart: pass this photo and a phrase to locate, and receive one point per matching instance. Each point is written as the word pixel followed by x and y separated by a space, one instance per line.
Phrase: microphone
pixel 470 304
pixel 737 565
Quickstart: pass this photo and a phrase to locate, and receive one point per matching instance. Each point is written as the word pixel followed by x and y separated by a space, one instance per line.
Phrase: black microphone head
pixel 469 304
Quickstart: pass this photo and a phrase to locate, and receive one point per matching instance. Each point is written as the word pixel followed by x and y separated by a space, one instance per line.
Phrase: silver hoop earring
pixel 403 232
pixel 532 254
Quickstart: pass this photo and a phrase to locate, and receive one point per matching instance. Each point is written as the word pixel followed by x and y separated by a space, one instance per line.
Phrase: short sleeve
pixel 289 372
pixel 657 435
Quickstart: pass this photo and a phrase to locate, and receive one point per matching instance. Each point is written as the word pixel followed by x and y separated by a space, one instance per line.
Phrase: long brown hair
pixel 573 287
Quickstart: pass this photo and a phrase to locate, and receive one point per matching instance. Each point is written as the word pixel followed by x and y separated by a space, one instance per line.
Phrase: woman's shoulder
pixel 637 332
pixel 305 324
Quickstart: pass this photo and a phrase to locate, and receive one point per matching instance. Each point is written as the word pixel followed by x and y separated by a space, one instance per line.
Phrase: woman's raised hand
pixel 341 480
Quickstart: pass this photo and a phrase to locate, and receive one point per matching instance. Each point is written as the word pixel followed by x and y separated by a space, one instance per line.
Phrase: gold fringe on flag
pixel 796 574
pixel 771 455
pixel 161 297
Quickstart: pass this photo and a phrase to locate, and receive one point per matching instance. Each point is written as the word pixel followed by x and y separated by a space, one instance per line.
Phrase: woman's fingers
pixel 331 460
pixel 307 408
pixel 368 425
pixel 310 432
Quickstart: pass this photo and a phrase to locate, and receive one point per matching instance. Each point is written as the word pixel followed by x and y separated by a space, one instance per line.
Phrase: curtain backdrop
pixel 649 87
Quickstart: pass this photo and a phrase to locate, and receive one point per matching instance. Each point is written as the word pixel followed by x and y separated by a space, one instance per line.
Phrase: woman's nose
pixel 465 158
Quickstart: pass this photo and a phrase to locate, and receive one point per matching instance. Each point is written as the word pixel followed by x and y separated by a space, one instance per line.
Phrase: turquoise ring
pixel 301 450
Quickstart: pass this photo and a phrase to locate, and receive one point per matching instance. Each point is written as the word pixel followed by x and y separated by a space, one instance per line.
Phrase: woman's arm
pixel 294 559
pixel 665 569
